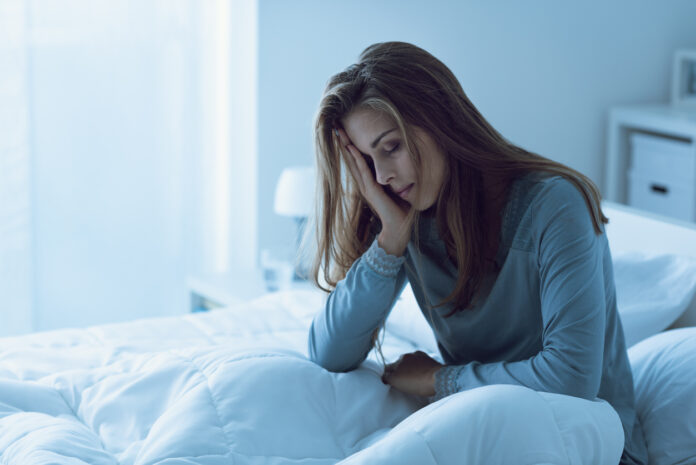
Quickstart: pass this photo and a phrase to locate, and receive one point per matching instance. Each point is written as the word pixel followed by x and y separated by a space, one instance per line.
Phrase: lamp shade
pixel 294 195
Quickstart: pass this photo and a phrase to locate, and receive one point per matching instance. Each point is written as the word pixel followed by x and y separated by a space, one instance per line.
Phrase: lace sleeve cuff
pixel 446 382
pixel 381 262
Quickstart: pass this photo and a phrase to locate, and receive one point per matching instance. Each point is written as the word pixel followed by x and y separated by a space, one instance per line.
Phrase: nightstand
pixel 208 291
pixel 651 159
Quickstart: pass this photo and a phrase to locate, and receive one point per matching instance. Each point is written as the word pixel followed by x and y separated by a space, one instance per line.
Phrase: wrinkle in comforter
pixel 202 389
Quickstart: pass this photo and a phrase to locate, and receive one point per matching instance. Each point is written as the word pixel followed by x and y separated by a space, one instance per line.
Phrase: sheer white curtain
pixel 15 172
pixel 121 185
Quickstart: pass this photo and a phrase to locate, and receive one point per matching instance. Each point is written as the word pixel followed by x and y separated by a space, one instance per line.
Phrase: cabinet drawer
pixel 665 160
pixel 677 200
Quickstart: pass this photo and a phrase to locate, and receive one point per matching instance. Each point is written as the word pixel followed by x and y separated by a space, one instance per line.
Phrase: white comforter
pixel 235 387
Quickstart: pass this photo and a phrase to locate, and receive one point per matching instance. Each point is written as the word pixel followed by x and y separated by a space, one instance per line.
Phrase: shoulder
pixel 538 193
pixel 556 194
pixel 541 201
pixel 559 212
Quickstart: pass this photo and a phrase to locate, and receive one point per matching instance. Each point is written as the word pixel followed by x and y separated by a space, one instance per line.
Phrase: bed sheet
pixel 235 386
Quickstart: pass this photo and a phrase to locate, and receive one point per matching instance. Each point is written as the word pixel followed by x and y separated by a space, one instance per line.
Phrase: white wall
pixel 543 72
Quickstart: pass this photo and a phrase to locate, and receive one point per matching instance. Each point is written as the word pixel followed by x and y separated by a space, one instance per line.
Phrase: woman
pixel 505 250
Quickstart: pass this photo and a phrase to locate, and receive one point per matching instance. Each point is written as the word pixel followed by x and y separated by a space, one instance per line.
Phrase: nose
pixel 384 172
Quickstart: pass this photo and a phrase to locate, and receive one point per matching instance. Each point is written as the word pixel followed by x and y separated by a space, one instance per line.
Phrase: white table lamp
pixel 294 196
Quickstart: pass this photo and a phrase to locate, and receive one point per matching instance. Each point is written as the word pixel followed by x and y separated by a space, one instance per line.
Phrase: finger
pixel 342 136
pixel 361 164
pixel 387 376
pixel 364 171
pixel 352 150
pixel 391 367
pixel 349 159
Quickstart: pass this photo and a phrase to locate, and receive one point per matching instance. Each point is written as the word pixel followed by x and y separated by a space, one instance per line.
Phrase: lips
pixel 403 193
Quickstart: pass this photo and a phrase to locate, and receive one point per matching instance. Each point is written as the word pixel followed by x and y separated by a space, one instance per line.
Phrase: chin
pixel 424 206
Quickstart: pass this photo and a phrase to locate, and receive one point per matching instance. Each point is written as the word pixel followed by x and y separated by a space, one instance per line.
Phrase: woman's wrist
pixel 432 378
pixel 392 244
pixel 382 262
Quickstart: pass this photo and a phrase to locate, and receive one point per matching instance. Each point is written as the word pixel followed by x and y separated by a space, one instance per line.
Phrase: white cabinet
pixel 651 159
pixel 661 176
pixel 210 291
pixel 217 290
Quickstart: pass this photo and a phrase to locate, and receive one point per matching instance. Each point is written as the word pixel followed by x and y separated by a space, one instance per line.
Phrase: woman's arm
pixel 573 306
pixel 341 335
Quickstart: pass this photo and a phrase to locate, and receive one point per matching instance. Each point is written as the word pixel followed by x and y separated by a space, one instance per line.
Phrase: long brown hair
pixel 415 89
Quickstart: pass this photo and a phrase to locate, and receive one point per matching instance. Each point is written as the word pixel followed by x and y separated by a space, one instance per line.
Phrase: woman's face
pixel 377 136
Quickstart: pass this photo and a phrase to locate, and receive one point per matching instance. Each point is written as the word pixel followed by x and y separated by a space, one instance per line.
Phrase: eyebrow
pixel 376 141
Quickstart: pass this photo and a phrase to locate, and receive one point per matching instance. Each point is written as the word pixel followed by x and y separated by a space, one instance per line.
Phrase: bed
pixel 234 386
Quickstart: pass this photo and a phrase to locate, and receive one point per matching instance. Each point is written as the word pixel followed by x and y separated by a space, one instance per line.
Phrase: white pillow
pixel 664 375
pixel 652 291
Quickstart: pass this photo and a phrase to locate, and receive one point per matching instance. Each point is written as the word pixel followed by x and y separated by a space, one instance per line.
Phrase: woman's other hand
pixel 396 230
pixel 413 373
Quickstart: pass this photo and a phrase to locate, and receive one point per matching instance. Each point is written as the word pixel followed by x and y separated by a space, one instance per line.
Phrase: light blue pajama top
pixel 547 319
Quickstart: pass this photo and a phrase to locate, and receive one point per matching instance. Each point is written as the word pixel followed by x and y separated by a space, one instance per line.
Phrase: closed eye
pixel 392 149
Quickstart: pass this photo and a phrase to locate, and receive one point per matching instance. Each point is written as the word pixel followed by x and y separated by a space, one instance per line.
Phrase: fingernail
pixel 336 132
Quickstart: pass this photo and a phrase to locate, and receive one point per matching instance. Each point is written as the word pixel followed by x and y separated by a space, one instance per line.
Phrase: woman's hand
pixel 413 373
pixel 396 231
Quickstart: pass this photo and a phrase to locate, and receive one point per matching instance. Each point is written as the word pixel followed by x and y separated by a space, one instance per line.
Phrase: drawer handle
pixel 659 189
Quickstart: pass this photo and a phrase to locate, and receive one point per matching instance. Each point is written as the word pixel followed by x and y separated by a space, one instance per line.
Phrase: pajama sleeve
pixel 340 336
pixel 573 308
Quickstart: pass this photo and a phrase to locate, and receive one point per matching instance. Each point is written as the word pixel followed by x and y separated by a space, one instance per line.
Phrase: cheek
pixel 429 178
pixel 433 178
pixel 437 173
pixel 438 179
pixel 408 169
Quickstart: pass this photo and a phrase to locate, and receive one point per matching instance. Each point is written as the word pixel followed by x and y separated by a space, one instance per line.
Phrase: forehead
pixel 363 125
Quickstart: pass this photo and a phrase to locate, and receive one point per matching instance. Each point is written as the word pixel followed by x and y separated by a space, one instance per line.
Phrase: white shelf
pixel 663 120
